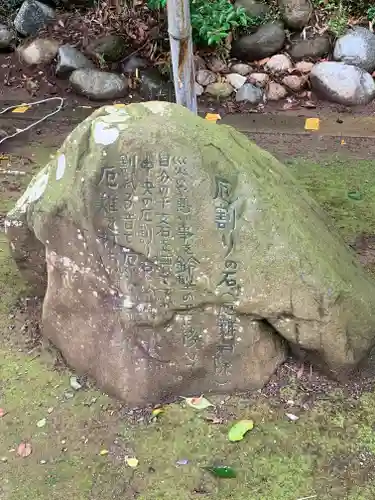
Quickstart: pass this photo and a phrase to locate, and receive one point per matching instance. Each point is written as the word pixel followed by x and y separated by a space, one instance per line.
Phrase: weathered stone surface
pixel 98 85
pixel 295 82
pixel 236 80
pixel 249 93
pixel 205 77
pixel 342 83
pixel 275 91
pixel 198 89
pixel 259 79
pixel 110 48
pixel 241 68
pixel 253 8
pixel 312 48
pixel 70 59
pixel 357 48
pixel 296 13
pixel 7 37
pixel 304 66
pixel 219 89
pixel 279 63
pixel 32 16
pixel 39 51
pixel 172 245
pixel 216 64
pixel 265 42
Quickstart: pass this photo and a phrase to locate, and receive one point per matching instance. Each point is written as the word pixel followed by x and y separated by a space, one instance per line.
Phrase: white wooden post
pixel 180 37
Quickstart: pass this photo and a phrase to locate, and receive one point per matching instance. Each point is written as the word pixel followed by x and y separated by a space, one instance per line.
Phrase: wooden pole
pixel 180 37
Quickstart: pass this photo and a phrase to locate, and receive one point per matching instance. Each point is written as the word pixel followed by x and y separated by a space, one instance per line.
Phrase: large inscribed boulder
pixel 180 258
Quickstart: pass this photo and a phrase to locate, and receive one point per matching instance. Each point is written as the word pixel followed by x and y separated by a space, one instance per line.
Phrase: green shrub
pixel 213 20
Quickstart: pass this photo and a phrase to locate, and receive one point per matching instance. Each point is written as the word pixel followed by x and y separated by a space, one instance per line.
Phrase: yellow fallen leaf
pixel 103 453
pixel 21 109
pixel 119 105
pixel 342 142
pixel 212 117
pixel 312 124
pixel 132 462
pixel 157 411
pixel 199 403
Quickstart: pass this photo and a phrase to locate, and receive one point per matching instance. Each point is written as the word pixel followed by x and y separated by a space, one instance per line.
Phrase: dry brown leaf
pixel 24 450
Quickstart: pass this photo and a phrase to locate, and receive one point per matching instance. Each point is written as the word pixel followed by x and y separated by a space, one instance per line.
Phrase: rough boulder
pixel 176 258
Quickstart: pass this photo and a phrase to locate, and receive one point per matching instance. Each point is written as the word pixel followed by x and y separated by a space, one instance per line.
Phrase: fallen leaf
pixel 103 453
pixel 74 384
pixel 262 62
pixel 41 423
pixel 21 109
pixel 157 411
pixel 24 450
pixel 237 431
pixel 2 412
pixel 292 417
pixel 342 142
pixel 355 195
pixel 200 403
pixel 222 471
pixel 132 462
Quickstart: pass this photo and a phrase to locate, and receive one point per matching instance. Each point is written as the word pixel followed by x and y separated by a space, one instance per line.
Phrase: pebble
pixel 6 37
pixel 294 82
pixel 204 77
pixel 70 59
pixel 279 64
pixel 241 69
pixel 216 65
pixel 40 51
pixel 198 89
pixel 219 89
pixel 32 16
pixel 275 92
pixel 259 79
pixel 304 66
pixel 98 85
pixel 236 80
pixel 249 93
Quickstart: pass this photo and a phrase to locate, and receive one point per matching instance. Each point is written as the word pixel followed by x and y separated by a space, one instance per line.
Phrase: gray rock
pixel 265 42
pixel 253 8
pixel 342 83
pixel 133 63
pixel 249 93
pixel 219 89
pixel 356 48
pixel 33 16
pixel 205 77
pixel 7 37
pixel 154 87
pixel 236 80
pixel 241 69
pixel 98 85
pixel 70 59
pixel 198 89
pixel 312 48
pixel 296 13
pixel 39 51
pixel 109 48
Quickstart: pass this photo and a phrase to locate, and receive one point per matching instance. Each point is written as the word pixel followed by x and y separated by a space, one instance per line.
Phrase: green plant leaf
pixel 222 471
pixel 238 430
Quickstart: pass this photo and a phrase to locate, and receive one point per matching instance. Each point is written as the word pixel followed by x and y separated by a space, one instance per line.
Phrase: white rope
pixel 19 131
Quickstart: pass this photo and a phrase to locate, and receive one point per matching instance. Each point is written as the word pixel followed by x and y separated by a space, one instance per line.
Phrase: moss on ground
pixel 328 452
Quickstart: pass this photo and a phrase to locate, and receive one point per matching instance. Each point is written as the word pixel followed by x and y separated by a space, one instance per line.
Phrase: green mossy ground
pixel 329 452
